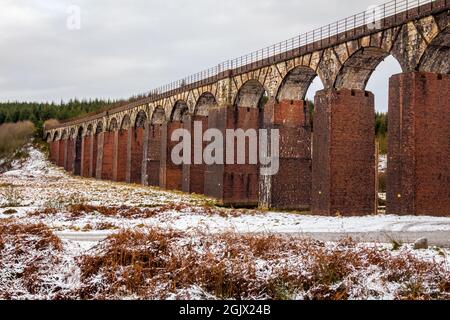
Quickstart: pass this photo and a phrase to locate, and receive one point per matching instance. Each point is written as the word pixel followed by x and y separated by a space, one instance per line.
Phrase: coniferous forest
pixel 38 113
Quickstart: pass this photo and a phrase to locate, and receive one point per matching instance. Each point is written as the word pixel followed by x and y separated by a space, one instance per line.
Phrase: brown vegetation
pixel 51 123
pixel 155 264
pixel 36 247
pixel 79 210
pixel 13 136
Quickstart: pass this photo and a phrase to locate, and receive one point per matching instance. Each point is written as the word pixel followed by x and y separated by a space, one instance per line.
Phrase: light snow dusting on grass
pixel 70 237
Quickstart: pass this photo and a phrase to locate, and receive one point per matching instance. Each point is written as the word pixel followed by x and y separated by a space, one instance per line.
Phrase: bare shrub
pixel 10 196
pixel 28 255
pixel 13 136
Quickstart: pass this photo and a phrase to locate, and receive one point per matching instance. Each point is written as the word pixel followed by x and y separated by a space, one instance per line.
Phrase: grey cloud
pixel 127 47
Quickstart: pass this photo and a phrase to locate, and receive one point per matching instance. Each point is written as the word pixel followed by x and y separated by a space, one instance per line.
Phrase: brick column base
pixel 61 156
pixel 418 172
pixel 170 174
pixel 233 184
pixel 290 189
pixel 154 154
pixel 343 180
pixel 99 155
pixel 108 156
pixel 121 156
pixel 70 155
pixel 87 141
pixel 194 174
pixel 137 155
pixel 54 152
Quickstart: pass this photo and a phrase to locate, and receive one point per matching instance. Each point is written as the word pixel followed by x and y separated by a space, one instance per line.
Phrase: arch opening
pixel 204 103
pixel 90 129
pixel 137 148
pixel 296 83
pixel 158 116
pixel 356 71
pixel 55 136
pixel 179 111
pixel 252 94
pixel 141 120
pixel 125 123
pixel 99 128
pixel 78 151
pixel 377 80
pixel 113 126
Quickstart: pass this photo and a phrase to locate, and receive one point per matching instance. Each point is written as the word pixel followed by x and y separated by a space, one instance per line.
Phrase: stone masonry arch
pixel 250 95
pixel 437 55
pixel 296 83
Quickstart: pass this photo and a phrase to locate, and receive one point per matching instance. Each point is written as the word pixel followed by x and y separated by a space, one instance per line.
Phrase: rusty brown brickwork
pixel 70 154
pixel 122 141
pixel 214 174
pixel 94 157
pixel 108 155
pixel 233 184
pixel 61 153
pixel 154 154
pixel 86 155
pixel 54 152
pixel 418 170
pixel 194 174
pixel 290 188
pixel 99 158
pixel 51 148
pixel 343 181
pixel 137 155
pixel 170 174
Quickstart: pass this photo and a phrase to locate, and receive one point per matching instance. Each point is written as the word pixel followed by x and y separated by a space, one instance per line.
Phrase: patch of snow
pixel 382 163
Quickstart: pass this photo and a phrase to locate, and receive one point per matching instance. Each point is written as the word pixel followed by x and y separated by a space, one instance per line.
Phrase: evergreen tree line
pixel 381 131
pixel 38 113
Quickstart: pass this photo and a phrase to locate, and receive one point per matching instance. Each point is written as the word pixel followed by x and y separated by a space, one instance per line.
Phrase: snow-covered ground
pixel 382 163
pixel 83 212
pixel 37 184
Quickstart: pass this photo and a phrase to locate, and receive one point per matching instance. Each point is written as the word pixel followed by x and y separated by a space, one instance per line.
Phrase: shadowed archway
pixel 78 152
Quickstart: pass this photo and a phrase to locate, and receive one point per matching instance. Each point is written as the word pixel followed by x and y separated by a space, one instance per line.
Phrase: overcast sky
pixel 128 47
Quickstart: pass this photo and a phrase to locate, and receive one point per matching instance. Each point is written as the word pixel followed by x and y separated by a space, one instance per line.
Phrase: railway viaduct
pixel 332 170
